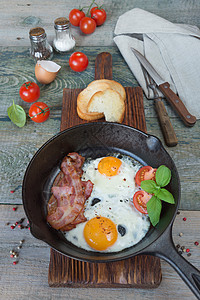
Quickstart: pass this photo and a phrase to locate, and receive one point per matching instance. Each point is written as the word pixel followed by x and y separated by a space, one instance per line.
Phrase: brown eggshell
pixel 44 76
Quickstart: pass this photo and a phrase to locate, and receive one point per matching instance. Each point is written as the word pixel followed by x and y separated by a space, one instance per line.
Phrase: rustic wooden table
pixel 28 279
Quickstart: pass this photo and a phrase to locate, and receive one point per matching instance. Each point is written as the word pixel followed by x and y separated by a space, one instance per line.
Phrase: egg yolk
pixel 100 233
pixel 109 166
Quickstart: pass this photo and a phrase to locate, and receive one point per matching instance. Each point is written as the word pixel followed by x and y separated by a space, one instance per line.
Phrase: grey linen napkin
pixel 172 49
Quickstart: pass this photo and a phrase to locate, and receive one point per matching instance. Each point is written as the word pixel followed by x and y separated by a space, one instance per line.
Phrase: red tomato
pixel 87 25
pixel 98 14
pixel 145 173
pixel 75 16
pixel 140 200
pixel 39 112
pixel 29 91
pixel 78 61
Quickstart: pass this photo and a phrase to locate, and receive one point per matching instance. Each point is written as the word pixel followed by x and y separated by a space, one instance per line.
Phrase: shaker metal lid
pixel 37 32
pixel 61 23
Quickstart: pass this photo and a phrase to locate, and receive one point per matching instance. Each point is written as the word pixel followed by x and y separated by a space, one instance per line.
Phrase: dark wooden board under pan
pixel 141 271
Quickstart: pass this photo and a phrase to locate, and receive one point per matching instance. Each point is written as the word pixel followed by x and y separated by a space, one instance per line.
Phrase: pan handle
pixel 164 248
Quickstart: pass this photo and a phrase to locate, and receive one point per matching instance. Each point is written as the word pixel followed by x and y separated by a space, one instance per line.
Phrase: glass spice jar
pixel 40 48
pixel 64 40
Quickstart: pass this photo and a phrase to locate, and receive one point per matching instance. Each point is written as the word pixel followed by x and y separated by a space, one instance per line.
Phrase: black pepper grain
pixel 95 201
pixel 121 229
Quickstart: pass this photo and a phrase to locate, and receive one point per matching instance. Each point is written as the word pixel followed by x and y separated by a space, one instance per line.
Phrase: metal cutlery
pixel 163 117
pixel 164 87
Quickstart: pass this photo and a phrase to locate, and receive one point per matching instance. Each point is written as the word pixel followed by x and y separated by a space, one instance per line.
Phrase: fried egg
pixel 113 223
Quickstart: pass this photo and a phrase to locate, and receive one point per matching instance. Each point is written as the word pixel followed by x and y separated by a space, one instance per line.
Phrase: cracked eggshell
pixel 46 71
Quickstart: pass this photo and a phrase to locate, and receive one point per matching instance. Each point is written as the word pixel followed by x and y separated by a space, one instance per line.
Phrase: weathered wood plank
pixel 18 145
pixel 29 278
pixel 17 67
pixel 21 16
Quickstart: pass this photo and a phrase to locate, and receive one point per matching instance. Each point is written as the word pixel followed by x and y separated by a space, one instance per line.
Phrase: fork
pixel 163 117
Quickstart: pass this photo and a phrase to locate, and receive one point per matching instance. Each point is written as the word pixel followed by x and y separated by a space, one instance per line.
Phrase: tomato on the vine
pixel 39 112
pixel 98 14
pixel 29 92
pixel 87 25
pixel 140 200
pixel 78 61
pixel 75 16
pixel 145 173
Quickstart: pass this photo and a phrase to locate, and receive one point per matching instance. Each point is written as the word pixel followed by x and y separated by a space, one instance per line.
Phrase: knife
pixel 164 87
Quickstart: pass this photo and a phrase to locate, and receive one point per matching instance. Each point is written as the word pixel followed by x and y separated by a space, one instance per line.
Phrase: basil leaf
pixel 163 176
pixel 149 186
pixel 17 114
pixel 154 207
pixel 166 196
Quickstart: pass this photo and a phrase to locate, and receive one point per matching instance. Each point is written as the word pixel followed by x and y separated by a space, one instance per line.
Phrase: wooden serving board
pixel 141 271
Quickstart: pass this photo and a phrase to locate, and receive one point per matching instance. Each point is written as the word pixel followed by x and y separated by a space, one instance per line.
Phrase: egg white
pixel 116 195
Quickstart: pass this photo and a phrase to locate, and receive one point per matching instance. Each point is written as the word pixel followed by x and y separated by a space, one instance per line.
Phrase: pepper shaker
pixel 40 48
pixel 64 40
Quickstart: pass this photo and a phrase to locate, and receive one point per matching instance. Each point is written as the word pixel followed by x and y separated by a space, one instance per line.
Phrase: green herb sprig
pixel 17 114
pixel 154 205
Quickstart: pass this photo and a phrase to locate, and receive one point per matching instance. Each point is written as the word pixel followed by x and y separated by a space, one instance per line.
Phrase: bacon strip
pixel 66 205
pixel 87 186
pixel 80 219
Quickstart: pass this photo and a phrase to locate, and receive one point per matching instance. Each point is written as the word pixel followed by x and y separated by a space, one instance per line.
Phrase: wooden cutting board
pixel 141 271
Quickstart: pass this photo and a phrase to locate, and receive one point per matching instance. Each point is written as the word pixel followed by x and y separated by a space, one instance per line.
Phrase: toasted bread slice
pixel 110 103
pixel 112 85
pixel 85 96
pixel 89 116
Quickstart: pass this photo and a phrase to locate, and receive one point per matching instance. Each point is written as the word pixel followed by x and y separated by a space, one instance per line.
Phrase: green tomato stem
pixel 27 84
pixel 42 111
pixel 93 1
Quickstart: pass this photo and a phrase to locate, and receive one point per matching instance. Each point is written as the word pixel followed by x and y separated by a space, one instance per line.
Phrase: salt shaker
pixel 40 48
pixel 63 41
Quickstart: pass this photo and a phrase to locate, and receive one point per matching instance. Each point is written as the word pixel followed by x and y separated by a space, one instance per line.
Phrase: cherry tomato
pixel 98 14
pixel 29 91
pixel 145 173
pixel 39 112
pixel 140 200
pixel 87 25
pixel 75 16
pixel 78 61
